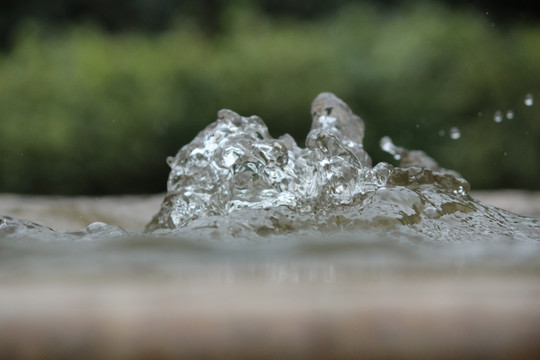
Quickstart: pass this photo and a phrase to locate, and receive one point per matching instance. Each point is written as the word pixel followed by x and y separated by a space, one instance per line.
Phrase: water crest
pixel 322 205
pixel 235 181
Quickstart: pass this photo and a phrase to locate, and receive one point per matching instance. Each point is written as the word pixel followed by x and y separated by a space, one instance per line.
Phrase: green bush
pixel 83 111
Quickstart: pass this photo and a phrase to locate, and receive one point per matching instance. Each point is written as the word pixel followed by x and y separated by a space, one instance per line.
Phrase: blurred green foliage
pixel 88 112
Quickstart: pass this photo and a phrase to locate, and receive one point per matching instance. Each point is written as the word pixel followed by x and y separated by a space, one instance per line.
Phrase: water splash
pixel 16 228
pixel 388 146
pixel 235 181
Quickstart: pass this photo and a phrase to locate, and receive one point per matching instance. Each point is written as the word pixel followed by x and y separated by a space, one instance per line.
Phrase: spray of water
pixel 235 179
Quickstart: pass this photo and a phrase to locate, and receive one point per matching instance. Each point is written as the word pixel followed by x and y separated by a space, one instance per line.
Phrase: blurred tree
pixel 87 111
pixel 158 15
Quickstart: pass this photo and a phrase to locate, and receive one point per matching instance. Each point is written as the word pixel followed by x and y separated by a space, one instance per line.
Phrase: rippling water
pixel 238 197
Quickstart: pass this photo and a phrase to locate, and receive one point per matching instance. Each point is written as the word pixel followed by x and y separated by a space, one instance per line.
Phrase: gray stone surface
pixel 131 212
pixel 402 317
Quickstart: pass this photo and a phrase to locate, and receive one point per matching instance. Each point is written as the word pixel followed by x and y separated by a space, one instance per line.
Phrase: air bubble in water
pixel 509 114
pixel 529 101
pixel 455 133
pixel 498 117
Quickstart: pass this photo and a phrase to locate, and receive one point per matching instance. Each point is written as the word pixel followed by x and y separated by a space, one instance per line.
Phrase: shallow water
pixel 280 259
pixel 242 202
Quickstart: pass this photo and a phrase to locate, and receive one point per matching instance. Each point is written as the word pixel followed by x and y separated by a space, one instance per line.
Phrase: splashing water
pixel 388 146
pixel 234 183
pixel 235 180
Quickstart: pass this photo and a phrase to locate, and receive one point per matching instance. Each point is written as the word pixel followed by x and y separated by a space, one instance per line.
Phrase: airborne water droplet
pixel 388 146
pixel 529 101
pixel 442 132
pixel 498 117
pixel 509 114
pixel 455 133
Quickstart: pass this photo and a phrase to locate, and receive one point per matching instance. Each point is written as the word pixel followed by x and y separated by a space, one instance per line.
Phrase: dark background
pixel 94 95
pixel 158 15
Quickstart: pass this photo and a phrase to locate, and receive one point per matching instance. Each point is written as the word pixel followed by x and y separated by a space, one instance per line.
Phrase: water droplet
pixel 455 133
pixel 417 126
pixel 529 101
pixel 460 191
pixel 498 117
pixel 509 114
pixel 505 153
pixel 388 146
pixel 480 114
pixel 442 132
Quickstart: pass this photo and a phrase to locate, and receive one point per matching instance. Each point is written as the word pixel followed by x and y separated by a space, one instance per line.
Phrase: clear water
pixel 498 116
pixel 235 181
pixel 529 100
pixel 235 194
pixel 509 114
